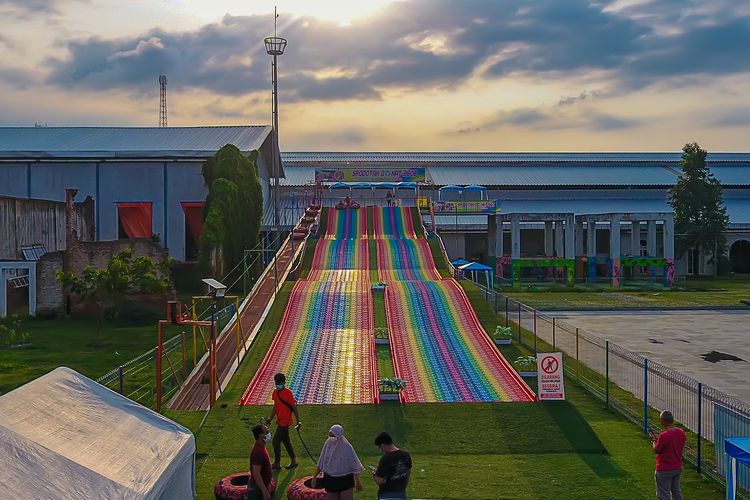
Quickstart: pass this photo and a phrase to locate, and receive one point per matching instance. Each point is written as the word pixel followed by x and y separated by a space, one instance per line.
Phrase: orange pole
pixel 212 366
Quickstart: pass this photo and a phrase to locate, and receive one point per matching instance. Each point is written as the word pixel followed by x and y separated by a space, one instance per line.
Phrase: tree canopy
pixel 234 209
pixel 700 215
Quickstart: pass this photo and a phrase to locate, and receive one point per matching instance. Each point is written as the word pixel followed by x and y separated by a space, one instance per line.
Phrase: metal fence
pixel 633 385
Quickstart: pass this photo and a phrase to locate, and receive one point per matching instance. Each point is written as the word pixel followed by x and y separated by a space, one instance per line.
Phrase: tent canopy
pixel 386 185
pixel 361 185
pixel 339 185
pixel 474 266
pixel 450 187
pixel 739 449
pixel 474 187
pixel 406 185
pixel 65 436
pixel 459 262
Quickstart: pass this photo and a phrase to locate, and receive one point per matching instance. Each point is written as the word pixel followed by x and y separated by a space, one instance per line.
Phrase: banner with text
pixel 550 376
pixel 416 174
pixel 467 207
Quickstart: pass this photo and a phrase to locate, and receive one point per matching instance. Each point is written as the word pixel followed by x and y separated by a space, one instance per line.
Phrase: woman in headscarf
pixel 340 466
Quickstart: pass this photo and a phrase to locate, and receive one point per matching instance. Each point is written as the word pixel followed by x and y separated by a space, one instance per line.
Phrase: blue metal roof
pixel 479 157
pixel 127 142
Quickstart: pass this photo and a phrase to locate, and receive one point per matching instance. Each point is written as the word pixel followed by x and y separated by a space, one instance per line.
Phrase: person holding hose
pixel 284 405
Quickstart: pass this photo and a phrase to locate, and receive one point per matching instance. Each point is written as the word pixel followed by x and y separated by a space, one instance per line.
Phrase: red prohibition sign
pixel 549 364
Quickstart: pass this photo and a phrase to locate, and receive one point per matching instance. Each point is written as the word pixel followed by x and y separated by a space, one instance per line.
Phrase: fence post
pixel 554 328
pixel 507 317
pixel 121 378
pixel 700 426
pixel 495 303
pixel 534 332
pixel 244 272
pixel 645 395
pixel 184 354
pixel 606 375
pixel 519 323
pixel 578 361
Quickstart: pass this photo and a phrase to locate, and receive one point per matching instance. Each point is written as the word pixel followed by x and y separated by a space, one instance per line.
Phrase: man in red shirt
pixel 668 447
pixel 259 486
pixel 284 405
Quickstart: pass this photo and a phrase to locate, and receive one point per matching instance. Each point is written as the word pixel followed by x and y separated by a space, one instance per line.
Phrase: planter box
pixel 382 341
pixel 526 374
pixel 503 341
pixel 389 396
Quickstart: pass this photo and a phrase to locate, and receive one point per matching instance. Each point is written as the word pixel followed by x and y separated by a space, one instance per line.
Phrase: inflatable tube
pixel 301 489
pixel 234 487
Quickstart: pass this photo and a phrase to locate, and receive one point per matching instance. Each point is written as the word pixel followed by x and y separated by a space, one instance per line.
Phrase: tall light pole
pixel 275 46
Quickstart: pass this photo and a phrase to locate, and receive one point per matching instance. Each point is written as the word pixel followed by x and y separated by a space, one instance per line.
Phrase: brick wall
pixel 50 295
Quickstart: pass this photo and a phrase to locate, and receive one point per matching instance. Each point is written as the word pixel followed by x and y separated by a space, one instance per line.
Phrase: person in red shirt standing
pixel 668 447
pixel 284 405
pixel 259 486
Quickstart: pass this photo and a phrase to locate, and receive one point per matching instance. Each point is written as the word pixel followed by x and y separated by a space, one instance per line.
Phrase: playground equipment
pixel 325 344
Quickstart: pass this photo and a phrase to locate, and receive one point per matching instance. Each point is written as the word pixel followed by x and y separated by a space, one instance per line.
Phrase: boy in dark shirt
pixel 258 488
pixel 392 474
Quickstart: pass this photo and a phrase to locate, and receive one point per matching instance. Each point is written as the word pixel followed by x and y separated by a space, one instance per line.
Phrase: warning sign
pixel 550 370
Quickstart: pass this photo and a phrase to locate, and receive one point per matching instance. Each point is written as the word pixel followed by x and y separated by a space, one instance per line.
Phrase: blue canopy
pixel 451 187
pixel 386 185
pixel 459 262
pixel 361 185
pixel 406 185
pixel 474 187
pixel 738 450
pixel 475 266
pixel 339 185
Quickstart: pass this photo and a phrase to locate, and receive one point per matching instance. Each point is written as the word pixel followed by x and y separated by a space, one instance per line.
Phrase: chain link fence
pixel 634 386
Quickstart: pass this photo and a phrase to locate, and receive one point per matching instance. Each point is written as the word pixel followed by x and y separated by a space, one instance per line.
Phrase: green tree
pixel 124 276
pixel 234 209
pixel 700 215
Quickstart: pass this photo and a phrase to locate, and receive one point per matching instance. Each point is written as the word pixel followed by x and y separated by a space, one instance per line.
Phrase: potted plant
pixel 390 388
pixel 503 335
pixel 526 366
pixel 382 335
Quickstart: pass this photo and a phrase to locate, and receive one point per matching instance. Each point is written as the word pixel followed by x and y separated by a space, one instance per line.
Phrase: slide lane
pixel 325 346
pixel 440 347
pixel 346 224
pixel 326 343
pixel 393 222
pixel 405 260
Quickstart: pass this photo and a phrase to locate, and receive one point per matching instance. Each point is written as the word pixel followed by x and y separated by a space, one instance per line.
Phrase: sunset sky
pixel 475 75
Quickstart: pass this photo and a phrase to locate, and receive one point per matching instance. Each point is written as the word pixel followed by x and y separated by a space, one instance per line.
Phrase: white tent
pixel 65 436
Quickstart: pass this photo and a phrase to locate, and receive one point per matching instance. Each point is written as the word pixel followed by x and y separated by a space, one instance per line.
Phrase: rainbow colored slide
pixel 325 344
pixel 437 342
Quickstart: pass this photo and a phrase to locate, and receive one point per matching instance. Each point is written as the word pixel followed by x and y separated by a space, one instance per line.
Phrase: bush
pixel 12 333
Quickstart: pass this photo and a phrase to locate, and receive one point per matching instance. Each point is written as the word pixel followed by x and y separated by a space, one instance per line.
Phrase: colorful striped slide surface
pixel 325 344
pixel 437 342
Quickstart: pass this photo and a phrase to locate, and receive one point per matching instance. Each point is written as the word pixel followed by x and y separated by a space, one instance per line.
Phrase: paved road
pixel 679 339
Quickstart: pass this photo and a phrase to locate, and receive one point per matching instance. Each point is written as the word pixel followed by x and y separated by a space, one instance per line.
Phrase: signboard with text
pixel 467 207
pixel 366 174
pixel 550 376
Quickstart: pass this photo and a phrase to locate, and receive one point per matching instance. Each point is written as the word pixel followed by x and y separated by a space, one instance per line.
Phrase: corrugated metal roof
pixel 470 157
pixel 581 207
pixel 555 175
pixel 297 175
pixel 127 142
pixel 732 175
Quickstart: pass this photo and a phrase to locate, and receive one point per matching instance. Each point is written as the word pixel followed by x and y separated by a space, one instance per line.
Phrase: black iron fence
pixel 633 385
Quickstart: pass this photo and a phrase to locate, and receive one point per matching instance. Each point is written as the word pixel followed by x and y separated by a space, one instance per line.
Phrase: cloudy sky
pixel 469 75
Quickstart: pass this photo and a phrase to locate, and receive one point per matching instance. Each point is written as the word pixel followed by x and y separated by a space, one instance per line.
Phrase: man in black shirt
pixel 392 474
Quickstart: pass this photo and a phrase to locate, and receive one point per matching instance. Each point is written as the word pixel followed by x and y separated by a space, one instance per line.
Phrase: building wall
pixel 40 222
pixel 13 179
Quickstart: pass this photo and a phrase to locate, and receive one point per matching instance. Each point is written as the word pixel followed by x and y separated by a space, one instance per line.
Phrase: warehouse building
pixel 540 183
pixel 145 182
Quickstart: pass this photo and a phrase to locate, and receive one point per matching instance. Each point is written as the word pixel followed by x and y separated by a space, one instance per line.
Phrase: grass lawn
pixel 574 449
pixel 696 292
pixel 70 342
